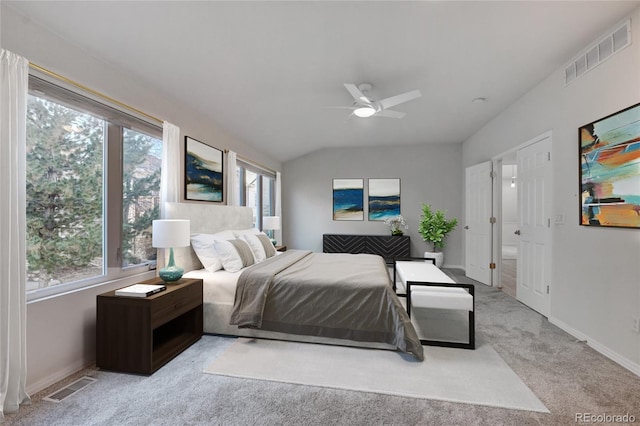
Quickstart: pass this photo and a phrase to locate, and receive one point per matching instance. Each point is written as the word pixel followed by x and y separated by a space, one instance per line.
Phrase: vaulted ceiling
pixel 269 71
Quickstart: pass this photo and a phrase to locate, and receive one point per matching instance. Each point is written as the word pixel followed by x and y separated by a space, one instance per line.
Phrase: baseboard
pixel 45 382
pixel 612 355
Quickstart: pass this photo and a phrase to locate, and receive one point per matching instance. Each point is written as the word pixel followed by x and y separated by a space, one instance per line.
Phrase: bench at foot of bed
pixel 428 287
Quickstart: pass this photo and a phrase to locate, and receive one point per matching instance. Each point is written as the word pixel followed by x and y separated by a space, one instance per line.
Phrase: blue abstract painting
pixel 384 198
pixel 203 171
pixel 348 199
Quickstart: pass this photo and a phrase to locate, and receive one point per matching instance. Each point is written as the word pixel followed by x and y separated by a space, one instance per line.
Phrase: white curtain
pixel 14 78
pixel 232 179
pixel 170 173
pixel 278 233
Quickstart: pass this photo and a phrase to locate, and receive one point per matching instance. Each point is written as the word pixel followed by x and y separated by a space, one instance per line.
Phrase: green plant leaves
pixel 434 227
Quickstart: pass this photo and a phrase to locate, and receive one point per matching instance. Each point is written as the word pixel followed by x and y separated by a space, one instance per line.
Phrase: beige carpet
pixel 475 377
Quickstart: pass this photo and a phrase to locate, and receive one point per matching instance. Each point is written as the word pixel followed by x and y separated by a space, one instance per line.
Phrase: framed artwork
pixel 610 170
pixel 384 198
pixel 203 166
pixel 348 199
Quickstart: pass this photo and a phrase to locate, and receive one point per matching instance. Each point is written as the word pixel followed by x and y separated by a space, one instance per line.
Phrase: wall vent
pixel 70 389
pixel 599 52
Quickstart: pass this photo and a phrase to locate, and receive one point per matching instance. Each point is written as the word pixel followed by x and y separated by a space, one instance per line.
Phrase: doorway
pixel 521 247
pixel 509 211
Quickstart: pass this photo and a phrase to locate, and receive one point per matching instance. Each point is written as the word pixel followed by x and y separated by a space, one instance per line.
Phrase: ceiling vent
pixel 599 52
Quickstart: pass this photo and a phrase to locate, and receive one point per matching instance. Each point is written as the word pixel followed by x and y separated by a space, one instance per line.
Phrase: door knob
pixel 466 227
pixel 517 232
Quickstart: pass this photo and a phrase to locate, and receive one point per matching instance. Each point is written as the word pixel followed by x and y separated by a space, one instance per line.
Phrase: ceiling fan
pixel 364 106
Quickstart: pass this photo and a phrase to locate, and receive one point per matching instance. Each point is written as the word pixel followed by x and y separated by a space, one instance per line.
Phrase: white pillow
pixel 256 247
pixel 249 231
pixel 234 254
pixel 203 246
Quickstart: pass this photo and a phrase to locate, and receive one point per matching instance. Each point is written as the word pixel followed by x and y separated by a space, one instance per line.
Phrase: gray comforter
pixel 345 296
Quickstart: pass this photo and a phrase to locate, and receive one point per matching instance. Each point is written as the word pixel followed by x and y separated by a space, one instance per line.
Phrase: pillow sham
pixel 203 246
pixel 256 247
pixel 269 249
pixel 234 254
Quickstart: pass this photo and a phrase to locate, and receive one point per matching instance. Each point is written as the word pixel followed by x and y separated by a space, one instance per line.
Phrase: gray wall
pixel 429 173
pixel 595 277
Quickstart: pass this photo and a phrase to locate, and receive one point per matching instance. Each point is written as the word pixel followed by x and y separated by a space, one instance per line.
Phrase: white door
pixel 477 228
pixel 534 225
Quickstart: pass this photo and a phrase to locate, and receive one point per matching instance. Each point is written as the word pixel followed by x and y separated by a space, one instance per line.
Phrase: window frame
pixel 116 119
pixel 261 173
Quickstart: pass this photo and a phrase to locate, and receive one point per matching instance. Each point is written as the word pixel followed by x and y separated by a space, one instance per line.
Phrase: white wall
pixel 595 288
pixel 61 330
pixel 429 174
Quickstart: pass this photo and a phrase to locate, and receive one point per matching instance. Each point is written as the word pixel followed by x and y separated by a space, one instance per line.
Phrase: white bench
pixel 428 287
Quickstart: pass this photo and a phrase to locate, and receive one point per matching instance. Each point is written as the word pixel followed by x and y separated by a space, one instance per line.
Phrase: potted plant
pixel 433 228
pixel 395 223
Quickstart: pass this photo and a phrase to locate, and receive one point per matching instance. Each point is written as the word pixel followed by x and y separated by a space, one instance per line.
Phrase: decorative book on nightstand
pixel 141 290
pixel 141 334
pixel 281 248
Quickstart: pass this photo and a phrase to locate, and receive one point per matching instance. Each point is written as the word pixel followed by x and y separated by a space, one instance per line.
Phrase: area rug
pixel 456 375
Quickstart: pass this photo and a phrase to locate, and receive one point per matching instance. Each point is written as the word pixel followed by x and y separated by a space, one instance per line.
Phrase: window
pixel 141 162
pixel 251 195
pixel 65 184
pixel 257 190
pixel 93 182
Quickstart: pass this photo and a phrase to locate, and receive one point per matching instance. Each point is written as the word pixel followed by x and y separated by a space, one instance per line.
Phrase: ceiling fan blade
pixel 389 113
pixel 399 99
pixel 356 93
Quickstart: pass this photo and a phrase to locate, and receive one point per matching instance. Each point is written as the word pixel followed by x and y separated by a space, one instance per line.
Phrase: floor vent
pixel 70 389
pixel 599 52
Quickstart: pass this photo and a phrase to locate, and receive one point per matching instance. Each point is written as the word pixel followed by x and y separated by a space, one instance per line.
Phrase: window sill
pixel 123 281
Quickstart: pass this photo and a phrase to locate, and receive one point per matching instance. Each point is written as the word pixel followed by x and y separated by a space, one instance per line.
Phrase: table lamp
pixel 170 233
pixel 271 223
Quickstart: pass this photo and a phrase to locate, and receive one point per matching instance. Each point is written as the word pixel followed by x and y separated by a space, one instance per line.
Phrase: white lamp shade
pixel 271 222
pixel 169 233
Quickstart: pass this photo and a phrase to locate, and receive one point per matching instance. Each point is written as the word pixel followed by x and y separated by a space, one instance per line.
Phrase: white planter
pixel 438 255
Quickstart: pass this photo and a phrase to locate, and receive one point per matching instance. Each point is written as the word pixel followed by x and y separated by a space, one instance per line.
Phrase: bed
pixel 343 299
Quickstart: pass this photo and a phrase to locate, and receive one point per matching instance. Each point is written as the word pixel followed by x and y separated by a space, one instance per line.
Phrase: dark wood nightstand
pixel 281 248
pixel 141 334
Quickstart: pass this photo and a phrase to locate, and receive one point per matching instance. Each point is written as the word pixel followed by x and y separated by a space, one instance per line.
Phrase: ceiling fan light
pixel 364 111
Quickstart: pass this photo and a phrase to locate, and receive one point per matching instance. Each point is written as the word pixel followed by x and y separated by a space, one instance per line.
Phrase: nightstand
pixel 281 248
pixel 141 334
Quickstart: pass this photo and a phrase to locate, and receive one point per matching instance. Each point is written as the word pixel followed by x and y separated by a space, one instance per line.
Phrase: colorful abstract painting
pixel 348 199
pixel 610 170
pixel 384 198
pixel 203 171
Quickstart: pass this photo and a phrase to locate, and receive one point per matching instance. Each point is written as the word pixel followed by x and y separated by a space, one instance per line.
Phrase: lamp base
pixel 171 273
